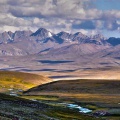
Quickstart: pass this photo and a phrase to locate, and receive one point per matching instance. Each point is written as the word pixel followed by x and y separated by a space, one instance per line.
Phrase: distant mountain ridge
pixel 22 43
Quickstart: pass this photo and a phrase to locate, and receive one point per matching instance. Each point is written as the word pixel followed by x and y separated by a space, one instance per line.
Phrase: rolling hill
pixel 20 80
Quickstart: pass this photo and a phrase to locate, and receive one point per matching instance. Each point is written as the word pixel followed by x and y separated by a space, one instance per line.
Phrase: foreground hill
pixel 82 89
pixel 20 80
pixel 78 87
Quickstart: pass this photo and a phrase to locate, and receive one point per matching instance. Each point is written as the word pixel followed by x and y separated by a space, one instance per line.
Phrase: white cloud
pixel 9 28
pixel 55 15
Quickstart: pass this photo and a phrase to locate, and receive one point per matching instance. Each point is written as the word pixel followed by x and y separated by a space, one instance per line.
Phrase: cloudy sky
pixel 86 16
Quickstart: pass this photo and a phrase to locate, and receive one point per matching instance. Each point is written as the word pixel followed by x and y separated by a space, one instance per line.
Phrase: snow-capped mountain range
pixel 42 41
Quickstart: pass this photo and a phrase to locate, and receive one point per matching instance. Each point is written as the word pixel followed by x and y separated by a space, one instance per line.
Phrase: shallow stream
pixel 75 106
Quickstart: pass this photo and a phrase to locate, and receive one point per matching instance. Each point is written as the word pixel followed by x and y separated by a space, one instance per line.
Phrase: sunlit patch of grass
pixel 19 80
pixel 83 97
pixel 15 83
pixel 42 97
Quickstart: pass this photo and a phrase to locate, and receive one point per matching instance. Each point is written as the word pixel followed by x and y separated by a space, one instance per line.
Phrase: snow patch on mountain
pixel 49 34
pixel 10 37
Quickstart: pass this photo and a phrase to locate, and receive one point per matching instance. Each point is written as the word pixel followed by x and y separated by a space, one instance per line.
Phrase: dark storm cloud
pixel 22 12
pixel 48 8
pixel 84 25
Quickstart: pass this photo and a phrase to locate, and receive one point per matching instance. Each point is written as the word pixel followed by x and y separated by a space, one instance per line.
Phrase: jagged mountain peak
pixel 21 34
pixel 98 36
pixel 65 36
pixel 113 41
pixel 42 32
pixel 62 32
pixel 81 35
pixel 78 33
pixel 10 33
